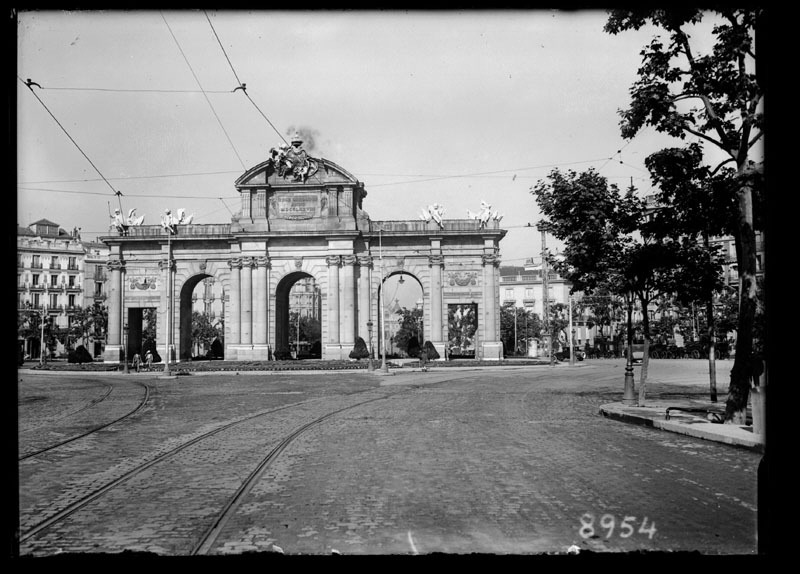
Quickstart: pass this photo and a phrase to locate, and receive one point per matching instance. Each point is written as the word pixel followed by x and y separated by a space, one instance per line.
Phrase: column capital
pixel 490 259
pixel 248 262
pixel 166 264
pixel 235 263
pixel 365 260
pixel 262 262
pixel 349 259
pixel 436 260
pixel 333 260
pixel 115 265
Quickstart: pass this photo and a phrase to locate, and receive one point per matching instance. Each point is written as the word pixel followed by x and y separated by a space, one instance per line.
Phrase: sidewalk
pixel 687 422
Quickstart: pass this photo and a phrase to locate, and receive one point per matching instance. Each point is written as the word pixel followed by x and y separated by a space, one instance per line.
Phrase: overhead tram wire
pixel 30 85
pixel 239 83
pixel 28 188
pixel 138 91
pixel 205 95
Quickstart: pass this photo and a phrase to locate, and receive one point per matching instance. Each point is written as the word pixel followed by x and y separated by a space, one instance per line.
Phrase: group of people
pixel 147 364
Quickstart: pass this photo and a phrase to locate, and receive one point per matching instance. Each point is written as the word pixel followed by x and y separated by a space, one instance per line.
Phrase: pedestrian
pixel 148 360
pixel 423 359
pixel 137 361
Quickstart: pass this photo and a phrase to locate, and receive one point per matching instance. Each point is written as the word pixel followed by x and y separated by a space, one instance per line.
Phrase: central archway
pixel 298 314
pixel 185 324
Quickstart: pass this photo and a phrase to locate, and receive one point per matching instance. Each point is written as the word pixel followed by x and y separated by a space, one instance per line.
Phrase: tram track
pixel 228 509
pixel 92 403
pixel 93 430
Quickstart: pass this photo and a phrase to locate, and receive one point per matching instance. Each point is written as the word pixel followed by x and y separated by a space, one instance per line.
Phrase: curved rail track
pixel 212 534
pixel 94 402
pixel 93 430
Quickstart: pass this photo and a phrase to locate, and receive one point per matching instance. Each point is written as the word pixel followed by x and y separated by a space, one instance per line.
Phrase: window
pixel 36 280
pixel 72 300
pixel 509 293
pixel 73 263
pixel 54 262
pixel 53 280
pixel 53 300
pixel 98 288
pixel 35 299
pixel 529 293
pixel 72 281
pixel 35 262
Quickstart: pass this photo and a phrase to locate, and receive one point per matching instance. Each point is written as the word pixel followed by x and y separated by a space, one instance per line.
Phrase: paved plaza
pixel 513 460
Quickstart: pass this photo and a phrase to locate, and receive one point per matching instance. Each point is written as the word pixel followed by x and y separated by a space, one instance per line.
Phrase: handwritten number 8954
pixel 608 523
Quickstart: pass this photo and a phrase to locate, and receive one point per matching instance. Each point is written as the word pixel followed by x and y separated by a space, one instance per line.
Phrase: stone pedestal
pixel 335 352
pixel 492 351
pixel 113 354
pixel 247 353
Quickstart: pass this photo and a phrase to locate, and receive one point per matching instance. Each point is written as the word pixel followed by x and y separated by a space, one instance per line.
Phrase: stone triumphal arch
pixel 301 217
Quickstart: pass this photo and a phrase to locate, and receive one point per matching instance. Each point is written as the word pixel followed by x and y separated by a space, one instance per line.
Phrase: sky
pixel 452 107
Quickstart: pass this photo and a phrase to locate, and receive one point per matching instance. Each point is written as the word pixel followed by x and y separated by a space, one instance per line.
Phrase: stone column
pixel 347 308
pixel 260 302
pixel 232 316
pixel 246 302
pixel 364 296
pixel 492 348
pixel 436 262
pixel 333 262
pixel 115 267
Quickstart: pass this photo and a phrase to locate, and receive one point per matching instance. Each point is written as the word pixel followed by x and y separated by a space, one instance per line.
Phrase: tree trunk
pixel 645 352
pixel 739 390
pixel 712 339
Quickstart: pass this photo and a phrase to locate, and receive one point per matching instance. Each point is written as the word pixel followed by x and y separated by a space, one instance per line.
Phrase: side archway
pixel 185 314
pixel 297 329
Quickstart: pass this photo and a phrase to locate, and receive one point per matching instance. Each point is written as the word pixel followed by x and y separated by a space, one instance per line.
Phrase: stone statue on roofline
pixel 435 212
pixel 485 214
pixel 293 161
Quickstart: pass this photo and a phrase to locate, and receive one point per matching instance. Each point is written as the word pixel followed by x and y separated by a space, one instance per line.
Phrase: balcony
pixel 55 266
pixel 73 267
pixel 36 265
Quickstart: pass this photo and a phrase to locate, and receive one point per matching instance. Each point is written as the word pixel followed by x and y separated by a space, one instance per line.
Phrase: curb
pixel 696 427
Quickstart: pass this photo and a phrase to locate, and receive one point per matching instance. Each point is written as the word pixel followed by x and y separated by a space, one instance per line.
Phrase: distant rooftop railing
pixel 420 225
pixel 193 230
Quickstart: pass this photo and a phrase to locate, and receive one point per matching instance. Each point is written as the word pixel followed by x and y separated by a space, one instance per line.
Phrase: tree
pixel 517 326
pixel 88 322
pixel 728 116
pixel 204 331
pixel 430 351
pixel 410 321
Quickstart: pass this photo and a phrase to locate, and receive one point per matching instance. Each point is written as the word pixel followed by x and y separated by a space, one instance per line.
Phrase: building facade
pixel 57 276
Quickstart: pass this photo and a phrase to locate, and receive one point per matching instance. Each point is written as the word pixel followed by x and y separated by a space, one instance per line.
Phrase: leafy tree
pixel 360 350
pixel 204 331
pixel 717 98
pixel 527 326
pixel 410 321
pixel 413 348
pixel 462 323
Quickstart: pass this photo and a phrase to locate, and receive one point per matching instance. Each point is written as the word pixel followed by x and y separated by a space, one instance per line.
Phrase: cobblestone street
pixel 514 460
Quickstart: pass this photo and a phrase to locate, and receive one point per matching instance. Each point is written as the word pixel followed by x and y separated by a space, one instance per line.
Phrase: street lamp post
pixel 42 317
pixel 170 228
pixel 571 336
pixel 370 366
pixel 125 346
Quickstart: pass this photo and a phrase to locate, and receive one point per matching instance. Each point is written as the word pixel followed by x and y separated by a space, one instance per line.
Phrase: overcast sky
pixel 448 107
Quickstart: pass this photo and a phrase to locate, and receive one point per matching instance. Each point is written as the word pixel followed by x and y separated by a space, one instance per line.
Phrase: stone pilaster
pixel 260 301
pixel 333 262
pixel 347 290
pixel 436 262
pixel 246 302
pixel 492 348
pixel 364 295
pixel 115 268
pixel 233 314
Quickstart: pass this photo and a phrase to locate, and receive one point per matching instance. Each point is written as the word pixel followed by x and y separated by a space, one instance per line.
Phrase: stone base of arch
pixel 492 351
pixel 113 354
pixel 336 352
pixel 247 353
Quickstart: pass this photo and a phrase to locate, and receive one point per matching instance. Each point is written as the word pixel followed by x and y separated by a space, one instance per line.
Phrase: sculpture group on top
pixel 169 221
pixel 435 212
pixel 121 224
pixel 485 214
pixel 293 161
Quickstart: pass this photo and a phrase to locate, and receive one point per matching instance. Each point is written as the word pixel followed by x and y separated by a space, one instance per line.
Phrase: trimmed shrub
pixel 431 351
pixel 360 350
pixel 413 348
pixel 80 355
pixel 283 354
pixel 216 351
pixel 150 345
